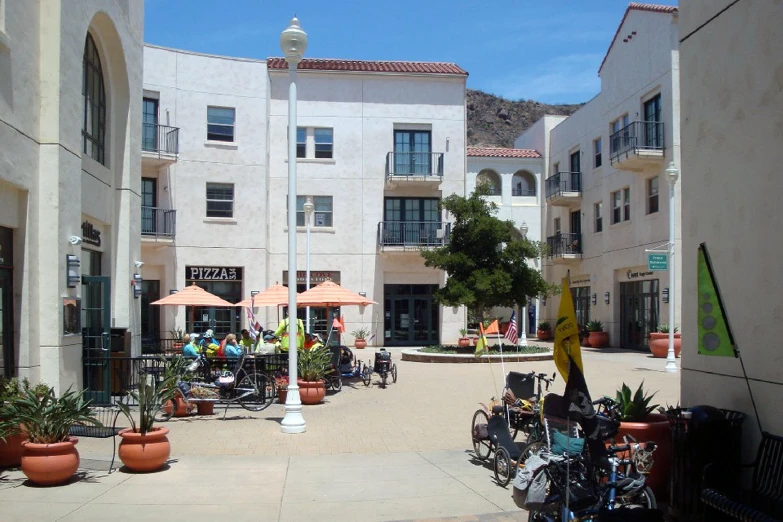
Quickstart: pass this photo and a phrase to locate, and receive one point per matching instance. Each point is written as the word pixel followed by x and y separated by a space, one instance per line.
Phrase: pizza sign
pixel 214 273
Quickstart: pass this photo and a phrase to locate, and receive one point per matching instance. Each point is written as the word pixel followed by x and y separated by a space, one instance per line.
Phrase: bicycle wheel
pixel 481 446
pixel 367 375
pixel 642 499
pixel 384 376
pixel 504 467
pixel 531 449
pixel 337 383
pixel 166 411
pixel 394 373
pixel 254 391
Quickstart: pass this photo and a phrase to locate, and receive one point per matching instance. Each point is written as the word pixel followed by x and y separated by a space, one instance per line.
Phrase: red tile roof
pixel 495 152
pixel 634 6
pixel 326 64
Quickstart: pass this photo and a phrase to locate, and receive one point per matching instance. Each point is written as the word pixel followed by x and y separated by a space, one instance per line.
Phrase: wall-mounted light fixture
pixel 594 298
pixel 254 293
pixel 665 295
pixel 172 292
pixel 606 298
pixel 136 285
pixel 72 264
pixel 363 294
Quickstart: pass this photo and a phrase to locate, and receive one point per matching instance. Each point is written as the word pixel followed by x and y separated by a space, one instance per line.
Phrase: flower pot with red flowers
pixel 49 455
pixel 597 337
pixel 281 385
pixel 313 365
pixel 464 340
pixel 544 332
pixel 659 342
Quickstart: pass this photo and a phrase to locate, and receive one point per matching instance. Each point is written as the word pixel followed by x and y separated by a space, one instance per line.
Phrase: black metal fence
pixel 564 244
pixel 158 222
pixel 523 192
pixel 413 233
pixel 563 182
pixel 414 164
pixel 159 139
pixel 637 135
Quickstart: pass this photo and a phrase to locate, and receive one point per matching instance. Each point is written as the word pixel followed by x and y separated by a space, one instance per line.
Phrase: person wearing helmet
pixel 191 347
pixel 282 334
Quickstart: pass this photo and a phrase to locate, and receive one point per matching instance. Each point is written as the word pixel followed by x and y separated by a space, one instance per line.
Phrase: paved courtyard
pixel 398 453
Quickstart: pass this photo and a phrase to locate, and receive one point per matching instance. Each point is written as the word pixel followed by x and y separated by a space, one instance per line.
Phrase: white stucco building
pixel 378 145
pixel 732 94
pixel 70 81
pixel 606 190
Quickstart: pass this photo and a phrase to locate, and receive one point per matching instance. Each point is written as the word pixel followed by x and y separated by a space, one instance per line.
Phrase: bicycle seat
pixel 499 433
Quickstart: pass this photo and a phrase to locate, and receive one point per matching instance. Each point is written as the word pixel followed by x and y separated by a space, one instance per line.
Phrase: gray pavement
pixel 400 453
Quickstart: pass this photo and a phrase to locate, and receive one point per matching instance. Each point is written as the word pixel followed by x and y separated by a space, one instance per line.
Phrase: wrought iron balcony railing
pixel 414 164
pixel 523 192
pixel 637 135
pixel 413 233
pixel 158 222
pixel 159 139
pixel 563 182
pixel 564 244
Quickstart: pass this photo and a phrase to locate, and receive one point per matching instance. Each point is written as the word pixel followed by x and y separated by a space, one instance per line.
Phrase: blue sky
pixel 544 50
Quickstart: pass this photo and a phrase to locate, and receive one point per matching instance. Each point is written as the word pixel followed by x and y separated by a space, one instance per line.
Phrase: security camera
pixel 138 264
pixel 75 240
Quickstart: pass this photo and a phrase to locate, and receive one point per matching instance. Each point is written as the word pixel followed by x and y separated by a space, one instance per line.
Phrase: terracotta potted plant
pixel 597 338
pixel 205 400
pixel 11 441
pixel 659 342
pixel 638 421
pixel 49 455
pixel 464 340
pixel 360 337
pixel 145 447
pixel 177 336
pixel 544 332
pixel 313 366
pixel 281 385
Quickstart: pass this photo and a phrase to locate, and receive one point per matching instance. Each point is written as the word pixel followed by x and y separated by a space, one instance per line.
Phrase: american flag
pixel 512 333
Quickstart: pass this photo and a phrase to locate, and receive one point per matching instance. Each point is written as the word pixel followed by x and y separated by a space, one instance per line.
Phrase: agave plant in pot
pixel 360 337
pixel 313 366
pixel 597 337
pixel 464 340
pixel 638 420
pixel 49 454
pixel 145 447
pixel 11 440
pixel 659 341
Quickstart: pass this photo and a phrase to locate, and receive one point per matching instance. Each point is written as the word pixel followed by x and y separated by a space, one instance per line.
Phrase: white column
pixel 671 361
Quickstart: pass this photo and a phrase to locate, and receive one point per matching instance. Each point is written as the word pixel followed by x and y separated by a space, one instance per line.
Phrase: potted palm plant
pixel 659 341
pixel 597 338
pixel 49 455
pixel 544 331
pixel 360 337
pixel 11 440
pixel 464 340
pixel 177 335
pixel 145 447
pixel 313 366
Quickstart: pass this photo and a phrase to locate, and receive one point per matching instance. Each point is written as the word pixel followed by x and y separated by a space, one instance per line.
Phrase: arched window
pixel 523 184
pixel 94 122
pixel 491 179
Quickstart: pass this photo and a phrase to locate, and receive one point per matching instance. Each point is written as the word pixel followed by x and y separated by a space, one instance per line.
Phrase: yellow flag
pixel 566 334
pixel 481 345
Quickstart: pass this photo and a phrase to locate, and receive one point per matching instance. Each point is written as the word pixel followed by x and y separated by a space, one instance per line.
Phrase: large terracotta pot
pixel 282 395
pixel 655 428
pixel 183 408
pixel 598 339
pixel 543 335
pixel 11 451
pixel 463 342
pixel 205 407
pixel 311 392
pixel 659 344
pixel 144 452
pixel 360 343
pixel 50 464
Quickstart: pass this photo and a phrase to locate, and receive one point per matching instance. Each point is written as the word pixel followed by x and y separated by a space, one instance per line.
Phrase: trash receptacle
pixel 701 435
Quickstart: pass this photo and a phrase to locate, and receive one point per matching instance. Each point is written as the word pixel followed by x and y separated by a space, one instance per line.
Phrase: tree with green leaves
pixel 485 258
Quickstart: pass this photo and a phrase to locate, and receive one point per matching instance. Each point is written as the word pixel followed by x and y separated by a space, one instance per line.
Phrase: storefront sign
pixel 213 273
pixel 581 279
pixel 638 274
pixel 90 234
pixel 657 261
pixel 316 277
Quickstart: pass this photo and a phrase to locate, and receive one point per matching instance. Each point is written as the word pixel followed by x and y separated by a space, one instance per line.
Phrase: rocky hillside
pixel 496 122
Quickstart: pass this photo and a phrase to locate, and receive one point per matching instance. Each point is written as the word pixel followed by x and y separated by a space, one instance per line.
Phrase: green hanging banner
pixel 715 336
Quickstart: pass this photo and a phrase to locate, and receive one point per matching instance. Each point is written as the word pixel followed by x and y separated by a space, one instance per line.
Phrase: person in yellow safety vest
pixel 282 334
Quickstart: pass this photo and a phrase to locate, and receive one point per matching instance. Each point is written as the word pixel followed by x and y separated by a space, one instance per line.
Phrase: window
pixel 653 130
pixel 322 216
pixel 220 200
pixel 621 205
pixel 597 153
pixel 557 226
pixel 301 142
pixel 575 162
pixel 94 120
pixel 324 143
pixel 149 125
pixel 626 203
pixel 220 124
pixel 598 212
pixel 413 153
pixel 652 195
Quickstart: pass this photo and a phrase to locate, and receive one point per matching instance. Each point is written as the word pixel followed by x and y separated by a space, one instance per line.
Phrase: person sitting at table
pixel 209 345
pixel 232 348
pixel 190 347
pixel 247 342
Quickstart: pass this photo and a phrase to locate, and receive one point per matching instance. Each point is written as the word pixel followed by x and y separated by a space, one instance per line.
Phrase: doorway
pixel 639 314
pixel 150 315
pixel 96 340
pixel 412 152
pixel 410 315
pixel 149 124
pixel 7 321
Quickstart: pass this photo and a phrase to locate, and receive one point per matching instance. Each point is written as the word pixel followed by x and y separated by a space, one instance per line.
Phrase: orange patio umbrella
pixel 275 295
pixel 329 294
pixel 194 296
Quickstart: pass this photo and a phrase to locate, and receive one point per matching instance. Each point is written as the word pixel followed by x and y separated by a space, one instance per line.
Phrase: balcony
pixel 638 146
pixel 564 189
pixel 564 247
pixel 403 236
pixel 525 193
pixel 159 144
pixel 414 167
pixel 158 225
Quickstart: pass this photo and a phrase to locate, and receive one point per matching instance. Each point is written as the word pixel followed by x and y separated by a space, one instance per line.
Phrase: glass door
pixel 639 313
pixel 149 125
pixel 150 315
pixel 7 321
pixel 149 202
pixel 652 116
pixel 410 315
pixel 96 324
pixel 412 152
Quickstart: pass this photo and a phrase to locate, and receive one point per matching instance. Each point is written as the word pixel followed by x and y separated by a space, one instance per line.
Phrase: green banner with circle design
pixel 714 334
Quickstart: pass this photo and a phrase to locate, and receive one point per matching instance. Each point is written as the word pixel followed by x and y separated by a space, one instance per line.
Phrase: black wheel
pixel 337 384
pixel 384 376
pixel 642 499
pixel 531 449
pixel 478 431
pixel 367 375
pixel 394 373
pixel 504 467
pixel 166 411
pixel 255 391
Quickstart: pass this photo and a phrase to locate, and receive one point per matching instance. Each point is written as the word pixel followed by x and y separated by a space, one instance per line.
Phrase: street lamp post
pixel 293 42
pixel 671 176
pixel 308 208
pixel 523 313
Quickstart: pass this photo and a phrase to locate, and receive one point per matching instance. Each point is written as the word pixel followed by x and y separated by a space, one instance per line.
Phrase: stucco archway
pixel 523 183
pixel 491 179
